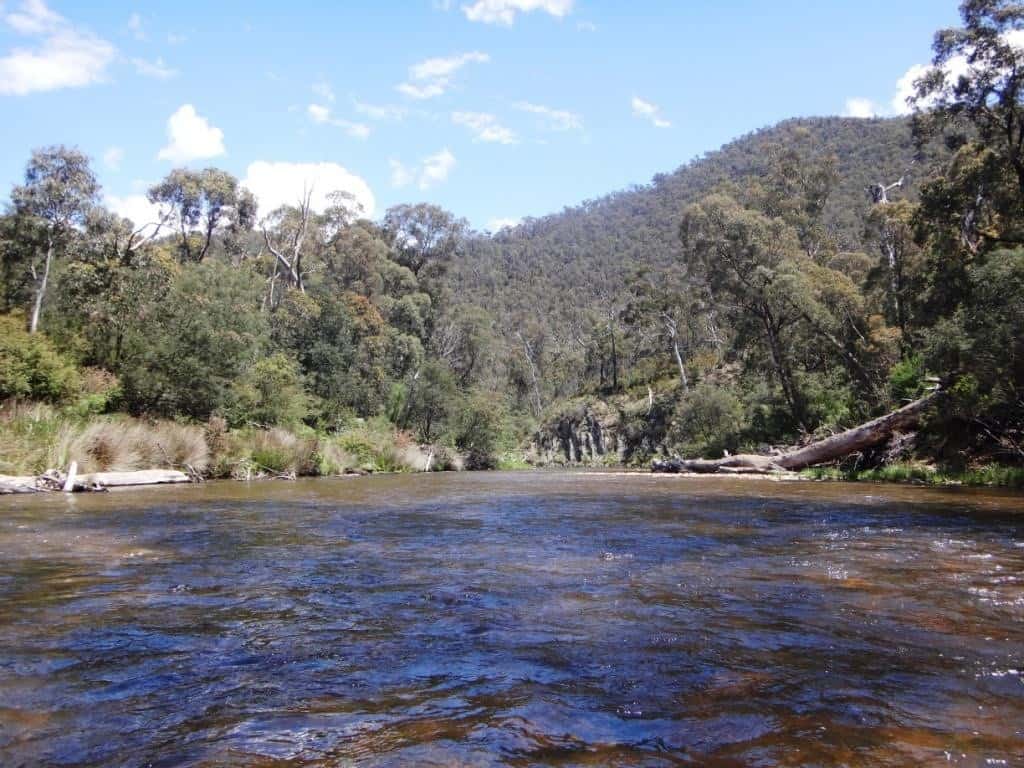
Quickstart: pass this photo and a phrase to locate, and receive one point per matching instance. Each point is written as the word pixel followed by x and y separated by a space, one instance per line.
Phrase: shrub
pixel 31 368
pixel 269 393
pixel 707 421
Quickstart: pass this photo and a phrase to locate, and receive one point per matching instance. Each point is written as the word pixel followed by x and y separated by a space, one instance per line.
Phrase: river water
pixel 513 619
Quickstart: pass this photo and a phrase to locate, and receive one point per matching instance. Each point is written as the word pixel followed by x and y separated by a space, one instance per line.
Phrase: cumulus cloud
pixel 191 137
pixel 142 213
pixel 112 158
pixel 504 11
pixel 485 127
pixel 648 111
pixel 432 170
pixel 156 69
pixel 61 56
pixel 321 115
pixel 555 119
pixel 860 107
pixel 432 77
pixel 280 183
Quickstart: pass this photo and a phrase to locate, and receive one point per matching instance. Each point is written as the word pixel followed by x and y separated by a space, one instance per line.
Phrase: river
pixel 534 618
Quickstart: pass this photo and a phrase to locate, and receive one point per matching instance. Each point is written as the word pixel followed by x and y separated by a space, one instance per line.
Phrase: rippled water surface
pixel 513 619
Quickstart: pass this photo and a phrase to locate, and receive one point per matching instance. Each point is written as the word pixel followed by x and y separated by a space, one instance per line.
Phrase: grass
pixel 37 437
pixel 923 474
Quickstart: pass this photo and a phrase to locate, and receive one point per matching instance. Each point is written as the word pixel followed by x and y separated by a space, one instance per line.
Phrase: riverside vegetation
pixel 801 280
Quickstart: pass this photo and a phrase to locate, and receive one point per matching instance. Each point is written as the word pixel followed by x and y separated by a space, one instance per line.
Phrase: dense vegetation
pixel 799 280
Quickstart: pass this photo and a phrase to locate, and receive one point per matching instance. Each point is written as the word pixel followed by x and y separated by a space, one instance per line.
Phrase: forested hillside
pixel 797 281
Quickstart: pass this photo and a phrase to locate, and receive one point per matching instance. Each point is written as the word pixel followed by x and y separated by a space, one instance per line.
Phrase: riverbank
pixel 36 438
pixel 989 475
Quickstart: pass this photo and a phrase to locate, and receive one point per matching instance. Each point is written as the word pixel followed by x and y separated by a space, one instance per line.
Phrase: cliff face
pixel 598 433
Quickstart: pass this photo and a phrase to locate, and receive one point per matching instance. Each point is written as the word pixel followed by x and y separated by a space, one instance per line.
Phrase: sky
pixel 494 109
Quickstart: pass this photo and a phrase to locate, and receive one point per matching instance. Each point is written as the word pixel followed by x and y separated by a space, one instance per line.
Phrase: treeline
pixel 303 318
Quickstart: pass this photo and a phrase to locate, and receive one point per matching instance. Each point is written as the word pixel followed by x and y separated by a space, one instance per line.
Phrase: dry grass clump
pixel 278 451
pixel 124 445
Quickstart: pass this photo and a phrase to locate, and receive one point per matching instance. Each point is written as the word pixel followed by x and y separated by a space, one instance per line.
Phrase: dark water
pixel 513 619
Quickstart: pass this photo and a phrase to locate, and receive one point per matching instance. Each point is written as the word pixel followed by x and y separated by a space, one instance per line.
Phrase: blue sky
pixel 494 109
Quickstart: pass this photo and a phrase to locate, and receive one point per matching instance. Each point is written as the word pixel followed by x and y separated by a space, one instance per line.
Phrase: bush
pixel 707 421
pixel 269 394
pixel 478 428
pixel 30 367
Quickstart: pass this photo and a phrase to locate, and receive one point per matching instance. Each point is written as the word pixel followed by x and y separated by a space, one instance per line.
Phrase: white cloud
pixel 155 69
pixel 34 18
pixel 281 183
pixel 485 127
pixel 555 119
pixel 191 137
pixel 379 111
pixel 954 68
pixel 648 111
pixel 504 11
pixel 63 57
pixel 436 168
pixel 432 77
pixel 136 27
pixel 401 176
pixel 112 158
pixel 433 170
pixel 860 107
pixel 324 91
pixel 499 223
pixel 143 214
pixel 320 114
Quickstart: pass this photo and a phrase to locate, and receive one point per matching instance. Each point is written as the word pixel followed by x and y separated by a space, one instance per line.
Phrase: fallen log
pixel 831 448
pixel 140 477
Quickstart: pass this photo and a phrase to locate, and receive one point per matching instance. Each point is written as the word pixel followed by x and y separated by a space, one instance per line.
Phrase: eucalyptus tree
pixel 204 204
pixel 60 190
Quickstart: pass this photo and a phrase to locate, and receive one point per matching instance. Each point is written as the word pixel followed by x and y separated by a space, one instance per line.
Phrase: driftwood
pixel 72 482
pixel 831 448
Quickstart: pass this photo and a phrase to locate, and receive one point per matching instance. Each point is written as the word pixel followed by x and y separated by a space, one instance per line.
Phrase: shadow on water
pixel 513 619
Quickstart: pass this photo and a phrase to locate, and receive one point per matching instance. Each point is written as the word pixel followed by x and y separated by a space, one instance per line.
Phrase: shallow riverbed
pixel 513 619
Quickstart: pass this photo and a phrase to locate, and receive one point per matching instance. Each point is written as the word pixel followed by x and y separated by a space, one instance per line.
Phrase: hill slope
pixel 584 250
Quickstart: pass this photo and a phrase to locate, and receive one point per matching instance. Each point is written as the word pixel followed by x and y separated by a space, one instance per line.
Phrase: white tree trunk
pixel 37 305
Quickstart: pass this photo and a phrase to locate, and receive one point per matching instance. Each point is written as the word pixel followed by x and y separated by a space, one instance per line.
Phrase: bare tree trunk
pixel 37 305
pixel 679 362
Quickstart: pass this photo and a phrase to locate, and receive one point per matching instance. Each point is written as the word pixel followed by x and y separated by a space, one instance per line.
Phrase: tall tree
pixel 203 204
pixel 59 191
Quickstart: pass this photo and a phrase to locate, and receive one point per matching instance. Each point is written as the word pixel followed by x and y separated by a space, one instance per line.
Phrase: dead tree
pixel 289 256
pixel 831 448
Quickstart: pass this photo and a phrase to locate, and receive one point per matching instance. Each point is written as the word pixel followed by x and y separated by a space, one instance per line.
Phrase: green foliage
pixel 906 378
pixel 184 355
pixel 429 401
pixel 30 367
pixel 269 393
pixel 707 421
pixel 478 427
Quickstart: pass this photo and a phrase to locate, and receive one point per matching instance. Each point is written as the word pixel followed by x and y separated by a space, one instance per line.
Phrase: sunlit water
pixel 513 619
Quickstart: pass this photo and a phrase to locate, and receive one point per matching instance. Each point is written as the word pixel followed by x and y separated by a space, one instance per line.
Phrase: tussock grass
pixel 37 437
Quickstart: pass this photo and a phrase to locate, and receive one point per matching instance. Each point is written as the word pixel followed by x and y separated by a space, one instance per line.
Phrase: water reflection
pixel 513 619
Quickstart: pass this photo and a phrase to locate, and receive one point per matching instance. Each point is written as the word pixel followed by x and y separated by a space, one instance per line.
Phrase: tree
pixel 891 228
pixel 977 80
pixel 203 204
pixel 59 191
pixel 423 235
pixel 748 261
pixel 665 300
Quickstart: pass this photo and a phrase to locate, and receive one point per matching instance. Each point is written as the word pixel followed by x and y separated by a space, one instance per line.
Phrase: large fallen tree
pixel 831 448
